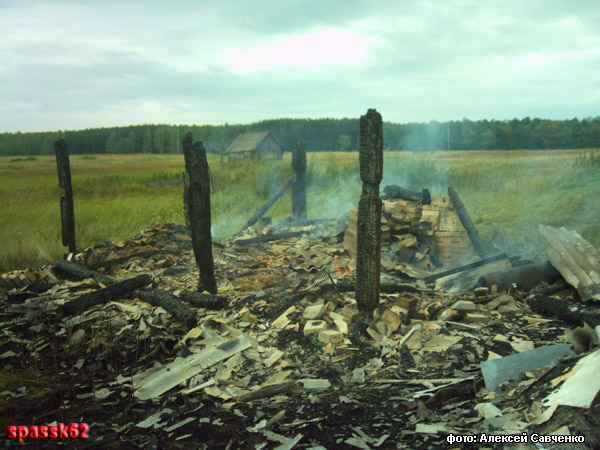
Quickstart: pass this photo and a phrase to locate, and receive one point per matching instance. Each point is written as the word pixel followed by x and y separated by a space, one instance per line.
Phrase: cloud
pixel 72 64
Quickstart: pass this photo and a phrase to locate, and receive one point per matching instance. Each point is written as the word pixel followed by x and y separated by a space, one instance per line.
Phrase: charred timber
pixel 368 259
pixel 174 307
pixel 299 184
pixel 559 286
pixel 67 212
pixel 525 277
pixel 558 308
pixel 466 221
pixel 118 261
pixel 116 290
pixel 202 300
pixel 270 202
pixel 81 272
pixel 398 192
pixel 196 167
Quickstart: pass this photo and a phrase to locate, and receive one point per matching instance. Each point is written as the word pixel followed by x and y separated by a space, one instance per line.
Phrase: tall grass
pixel 507 194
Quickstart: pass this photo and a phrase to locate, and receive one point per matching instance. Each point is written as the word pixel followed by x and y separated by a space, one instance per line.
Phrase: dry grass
pixel 507 192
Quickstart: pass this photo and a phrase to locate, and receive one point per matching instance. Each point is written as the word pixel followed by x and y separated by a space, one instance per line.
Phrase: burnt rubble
pixel 282 358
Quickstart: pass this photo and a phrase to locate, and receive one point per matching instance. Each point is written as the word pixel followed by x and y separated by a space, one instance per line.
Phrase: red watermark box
pixel 58 431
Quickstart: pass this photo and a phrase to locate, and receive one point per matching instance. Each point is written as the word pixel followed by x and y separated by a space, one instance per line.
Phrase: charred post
pixel 368 260
pixel 196 167
pixel 466 221
pixel 299 186
pixel 67 212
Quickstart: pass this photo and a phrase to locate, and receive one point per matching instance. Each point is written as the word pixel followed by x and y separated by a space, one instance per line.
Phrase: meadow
pixel 508 194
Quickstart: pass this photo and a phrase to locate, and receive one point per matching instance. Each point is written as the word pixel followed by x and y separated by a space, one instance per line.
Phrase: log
pixel 466 221
pixel 166 301
pixel 196 166
pixel 67 213
pixel 81 272
pixel 269 237
pixel 368 252
pixel 564 310
pixel 398 192
pixel 116 290
pixel 117 261
pixel 299 185
pixel 202 300
pixel 559 286
pixel 526 276
pixel 264 208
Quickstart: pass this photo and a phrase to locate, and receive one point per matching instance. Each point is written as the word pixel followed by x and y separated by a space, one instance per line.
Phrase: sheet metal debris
pixel 514 366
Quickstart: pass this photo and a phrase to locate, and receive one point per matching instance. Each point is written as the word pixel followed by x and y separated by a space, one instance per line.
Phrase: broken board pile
pixel 426 236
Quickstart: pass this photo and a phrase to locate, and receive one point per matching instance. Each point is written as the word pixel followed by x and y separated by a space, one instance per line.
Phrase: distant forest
pixel 319 135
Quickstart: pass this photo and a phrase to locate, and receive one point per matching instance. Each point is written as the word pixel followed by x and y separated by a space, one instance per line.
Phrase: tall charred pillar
pixel 198 196
pixel 67 213
pixel 299 186
pixel 368 260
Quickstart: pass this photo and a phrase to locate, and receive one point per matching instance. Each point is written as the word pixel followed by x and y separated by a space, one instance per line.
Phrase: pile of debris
pixel 282 359
pixel 423 236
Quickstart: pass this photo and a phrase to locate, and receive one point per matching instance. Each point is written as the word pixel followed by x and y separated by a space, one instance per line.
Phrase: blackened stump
pixel 67 213
pixel 368 260
pixel 196 167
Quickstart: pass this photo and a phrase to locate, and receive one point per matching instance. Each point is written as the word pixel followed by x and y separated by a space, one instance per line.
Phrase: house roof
pixel 247 142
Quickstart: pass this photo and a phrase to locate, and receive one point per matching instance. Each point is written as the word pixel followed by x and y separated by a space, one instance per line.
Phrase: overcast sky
pixel 84 64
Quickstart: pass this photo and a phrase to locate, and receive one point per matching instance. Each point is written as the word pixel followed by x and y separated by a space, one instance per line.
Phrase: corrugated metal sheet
pixel 576 259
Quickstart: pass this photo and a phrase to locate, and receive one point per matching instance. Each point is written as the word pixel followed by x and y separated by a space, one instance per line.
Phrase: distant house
pixel 255 146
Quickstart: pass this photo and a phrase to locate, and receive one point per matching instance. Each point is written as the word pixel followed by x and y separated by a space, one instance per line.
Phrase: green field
pixel 508 193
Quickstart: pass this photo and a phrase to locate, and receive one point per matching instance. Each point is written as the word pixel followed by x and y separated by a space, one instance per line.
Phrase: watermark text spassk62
pixel 58 431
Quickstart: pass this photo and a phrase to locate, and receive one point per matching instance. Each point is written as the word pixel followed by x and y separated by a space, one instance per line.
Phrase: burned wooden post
pixel 67 213
pixel 299 186
pixel 196 167
pixel 466 221
pixel 368 260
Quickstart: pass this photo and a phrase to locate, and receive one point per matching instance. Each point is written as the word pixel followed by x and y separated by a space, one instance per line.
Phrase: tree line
pixel 319 135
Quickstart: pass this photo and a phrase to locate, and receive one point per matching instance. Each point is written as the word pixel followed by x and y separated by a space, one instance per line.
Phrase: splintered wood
pixel 420 235
pixel 576 259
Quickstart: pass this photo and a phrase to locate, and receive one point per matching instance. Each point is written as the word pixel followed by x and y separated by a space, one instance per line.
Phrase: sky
pixel 87 64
